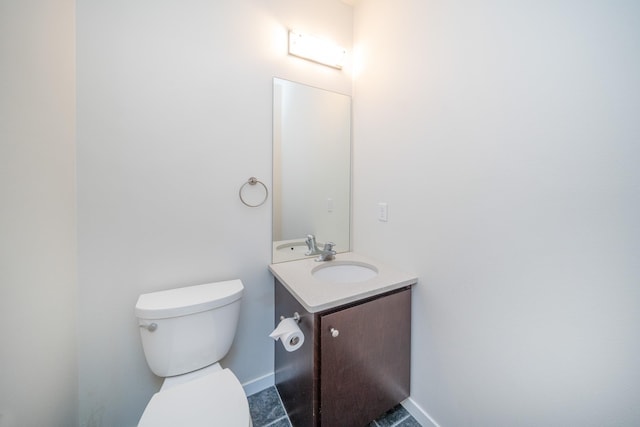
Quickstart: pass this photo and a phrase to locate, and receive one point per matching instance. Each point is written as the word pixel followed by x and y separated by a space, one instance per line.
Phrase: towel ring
pixel 253 181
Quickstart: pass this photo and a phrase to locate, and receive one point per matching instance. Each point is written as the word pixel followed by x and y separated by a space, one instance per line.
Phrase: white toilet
pixel 185 332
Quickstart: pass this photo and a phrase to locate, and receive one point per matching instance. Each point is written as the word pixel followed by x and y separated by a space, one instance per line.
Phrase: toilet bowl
pixel 185 332
pixel 215 398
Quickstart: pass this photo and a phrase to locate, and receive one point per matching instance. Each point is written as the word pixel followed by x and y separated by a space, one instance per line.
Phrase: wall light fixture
pixel 316 49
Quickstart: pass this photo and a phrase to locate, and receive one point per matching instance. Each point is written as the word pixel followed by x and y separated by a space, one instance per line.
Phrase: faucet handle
pixel 327 253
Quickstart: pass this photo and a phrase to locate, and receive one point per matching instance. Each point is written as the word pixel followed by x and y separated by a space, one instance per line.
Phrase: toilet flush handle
pixel 150 327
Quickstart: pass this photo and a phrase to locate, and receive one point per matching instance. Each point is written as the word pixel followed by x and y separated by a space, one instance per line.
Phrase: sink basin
pixel 344 272
pixel 299 247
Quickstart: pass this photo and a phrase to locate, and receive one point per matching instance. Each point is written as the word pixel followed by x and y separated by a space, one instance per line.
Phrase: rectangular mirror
pixel 311 168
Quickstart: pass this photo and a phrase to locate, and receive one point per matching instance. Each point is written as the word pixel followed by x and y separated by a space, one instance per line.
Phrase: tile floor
pixel 267 411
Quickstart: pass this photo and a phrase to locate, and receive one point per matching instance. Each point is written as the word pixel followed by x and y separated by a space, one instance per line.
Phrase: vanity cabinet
pixel 354 364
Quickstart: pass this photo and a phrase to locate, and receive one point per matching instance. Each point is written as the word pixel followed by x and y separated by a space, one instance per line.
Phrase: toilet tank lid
pixel 188 300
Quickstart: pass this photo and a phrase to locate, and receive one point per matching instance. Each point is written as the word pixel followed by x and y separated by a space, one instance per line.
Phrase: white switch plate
pixel 383 212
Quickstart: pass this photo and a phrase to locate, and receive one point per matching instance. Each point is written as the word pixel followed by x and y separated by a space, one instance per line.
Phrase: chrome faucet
pixel 312 245
pixel 327 253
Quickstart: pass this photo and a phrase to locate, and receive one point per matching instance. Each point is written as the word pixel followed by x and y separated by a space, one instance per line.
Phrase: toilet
pixel 185 332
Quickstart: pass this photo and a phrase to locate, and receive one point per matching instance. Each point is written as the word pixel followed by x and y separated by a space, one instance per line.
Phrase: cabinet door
pixel 365 366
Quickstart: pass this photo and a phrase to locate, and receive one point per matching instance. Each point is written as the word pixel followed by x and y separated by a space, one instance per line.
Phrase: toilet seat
pixel 216 399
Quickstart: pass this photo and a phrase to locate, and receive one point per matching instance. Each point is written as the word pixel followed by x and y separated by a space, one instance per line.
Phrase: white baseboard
pixel 419 414
pixel 258 384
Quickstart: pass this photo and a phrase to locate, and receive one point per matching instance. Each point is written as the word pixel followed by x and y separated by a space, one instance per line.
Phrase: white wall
pixel 174 115
pixel 508 135
pixel 38 376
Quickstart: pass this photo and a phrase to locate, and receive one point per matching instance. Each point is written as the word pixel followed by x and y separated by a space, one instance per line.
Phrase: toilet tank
pixel 188 328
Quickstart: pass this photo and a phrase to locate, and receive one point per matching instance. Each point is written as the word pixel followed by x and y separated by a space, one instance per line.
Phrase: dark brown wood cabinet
pixel 354 364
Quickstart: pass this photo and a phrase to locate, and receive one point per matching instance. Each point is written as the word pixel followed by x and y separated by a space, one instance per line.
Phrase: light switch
pixel 383 212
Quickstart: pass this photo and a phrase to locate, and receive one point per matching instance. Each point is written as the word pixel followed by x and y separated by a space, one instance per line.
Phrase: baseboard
pixel 258 384
pixel 418 413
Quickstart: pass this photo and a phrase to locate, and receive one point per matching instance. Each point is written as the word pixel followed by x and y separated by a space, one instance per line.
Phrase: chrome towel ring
pixel 253 181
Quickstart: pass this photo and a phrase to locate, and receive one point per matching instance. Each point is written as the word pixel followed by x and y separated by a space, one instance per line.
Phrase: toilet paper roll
pixel 289 334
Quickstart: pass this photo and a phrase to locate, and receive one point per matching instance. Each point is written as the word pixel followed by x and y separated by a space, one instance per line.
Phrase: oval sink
pixel 293 247
pixel 344 272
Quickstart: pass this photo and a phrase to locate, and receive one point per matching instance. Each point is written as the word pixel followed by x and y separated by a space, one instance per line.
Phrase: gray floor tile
pixel 409 422
pixel 267 411
pixel 282 422
pixel 265 407
pixel 392 417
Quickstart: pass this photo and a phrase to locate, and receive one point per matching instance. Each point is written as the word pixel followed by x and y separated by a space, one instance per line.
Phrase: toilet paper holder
pixel 295 317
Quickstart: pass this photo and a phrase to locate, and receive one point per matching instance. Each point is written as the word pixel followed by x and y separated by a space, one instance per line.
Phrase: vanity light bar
pixel 316 49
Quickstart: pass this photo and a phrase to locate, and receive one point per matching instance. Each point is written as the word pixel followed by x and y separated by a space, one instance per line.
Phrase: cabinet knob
pixel 334 332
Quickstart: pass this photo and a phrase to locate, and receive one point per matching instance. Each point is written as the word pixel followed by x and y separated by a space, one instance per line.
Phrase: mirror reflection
pixel 311 169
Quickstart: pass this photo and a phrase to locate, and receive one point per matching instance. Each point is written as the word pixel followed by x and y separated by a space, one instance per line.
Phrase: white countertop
pixel 317 295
